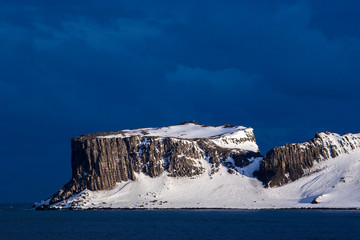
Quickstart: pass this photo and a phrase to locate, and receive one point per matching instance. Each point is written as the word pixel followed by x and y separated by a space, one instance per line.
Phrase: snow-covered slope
pixel 334 143
pixel 334 183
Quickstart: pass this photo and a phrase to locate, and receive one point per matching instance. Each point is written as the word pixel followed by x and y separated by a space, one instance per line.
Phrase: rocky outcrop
pixel 99 161
pixel 288 163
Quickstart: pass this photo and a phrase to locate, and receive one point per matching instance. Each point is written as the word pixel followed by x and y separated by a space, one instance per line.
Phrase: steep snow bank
pixel 333 183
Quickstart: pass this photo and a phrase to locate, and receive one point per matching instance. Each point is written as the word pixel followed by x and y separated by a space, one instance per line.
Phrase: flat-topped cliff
pixel 99 161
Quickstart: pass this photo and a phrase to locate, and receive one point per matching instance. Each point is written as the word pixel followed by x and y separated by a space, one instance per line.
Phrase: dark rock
pixel 43 207
pixel 316 200
pixel 186 122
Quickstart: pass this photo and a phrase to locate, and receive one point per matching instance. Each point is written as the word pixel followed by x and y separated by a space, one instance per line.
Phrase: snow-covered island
pixel 198 166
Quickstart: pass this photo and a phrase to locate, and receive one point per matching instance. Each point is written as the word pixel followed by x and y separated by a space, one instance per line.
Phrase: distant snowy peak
pixel 288 163
pixel 225 136
pixel 337 144
pixel 333 144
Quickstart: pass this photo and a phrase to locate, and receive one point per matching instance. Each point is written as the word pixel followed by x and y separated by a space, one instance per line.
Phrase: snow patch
pixel 186 131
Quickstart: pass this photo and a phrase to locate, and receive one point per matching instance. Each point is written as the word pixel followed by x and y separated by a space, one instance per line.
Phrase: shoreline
pixel 194 209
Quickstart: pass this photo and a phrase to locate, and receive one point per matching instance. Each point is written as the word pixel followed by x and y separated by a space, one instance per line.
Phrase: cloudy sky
pixel 286 68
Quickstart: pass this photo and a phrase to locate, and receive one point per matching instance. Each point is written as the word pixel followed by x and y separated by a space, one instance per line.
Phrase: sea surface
pixel 17 221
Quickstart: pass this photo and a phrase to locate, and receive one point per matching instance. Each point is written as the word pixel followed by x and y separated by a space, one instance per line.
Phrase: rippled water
pixel 18 222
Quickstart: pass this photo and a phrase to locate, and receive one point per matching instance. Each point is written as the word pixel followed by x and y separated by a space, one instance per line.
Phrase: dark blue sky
pixel 286 68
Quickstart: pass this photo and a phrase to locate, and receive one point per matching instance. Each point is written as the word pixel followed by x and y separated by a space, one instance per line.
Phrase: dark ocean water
pixel 18 222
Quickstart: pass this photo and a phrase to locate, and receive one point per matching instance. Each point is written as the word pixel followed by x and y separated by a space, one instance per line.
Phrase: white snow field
pixel 187 131
pixel 236 137
pixel 334 182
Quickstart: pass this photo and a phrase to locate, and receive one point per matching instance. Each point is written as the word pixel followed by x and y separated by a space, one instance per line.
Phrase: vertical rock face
pixel 287 163
pixel 99 161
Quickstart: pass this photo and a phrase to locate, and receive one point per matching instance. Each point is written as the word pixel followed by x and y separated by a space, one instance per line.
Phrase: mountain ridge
pixel 287 163
pixel 189 151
